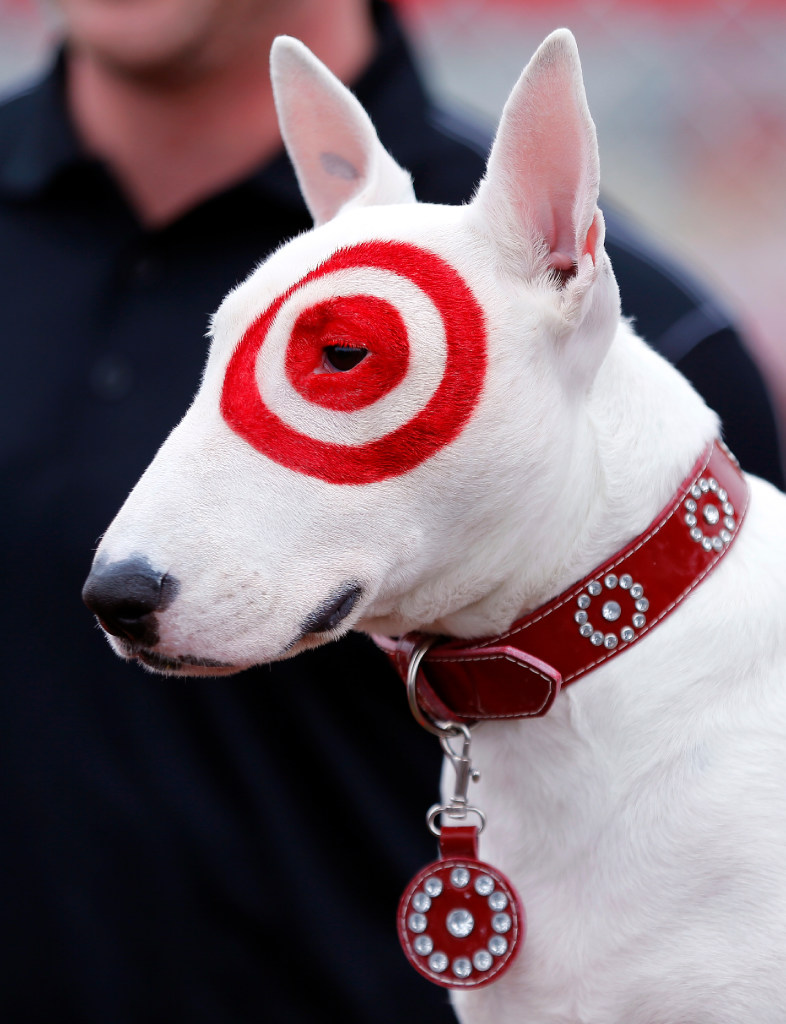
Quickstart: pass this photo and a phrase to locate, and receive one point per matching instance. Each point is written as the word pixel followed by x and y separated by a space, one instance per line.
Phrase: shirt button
pixel 112 377
pixel 145 269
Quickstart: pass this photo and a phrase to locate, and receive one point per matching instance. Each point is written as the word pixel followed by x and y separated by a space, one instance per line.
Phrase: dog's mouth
pixel 332 612
pixel 182 665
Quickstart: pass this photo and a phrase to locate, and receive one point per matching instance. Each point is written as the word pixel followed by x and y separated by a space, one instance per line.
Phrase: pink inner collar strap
pixel 519 673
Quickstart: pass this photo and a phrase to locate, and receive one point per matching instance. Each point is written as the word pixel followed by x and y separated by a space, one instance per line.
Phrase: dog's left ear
pixel 539 195
pixel 338 159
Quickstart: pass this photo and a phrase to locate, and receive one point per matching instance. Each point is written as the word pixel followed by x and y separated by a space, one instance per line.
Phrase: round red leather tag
pixel 460 923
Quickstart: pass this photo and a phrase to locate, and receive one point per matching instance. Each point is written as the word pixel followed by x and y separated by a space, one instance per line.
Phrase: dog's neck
pixel 636 435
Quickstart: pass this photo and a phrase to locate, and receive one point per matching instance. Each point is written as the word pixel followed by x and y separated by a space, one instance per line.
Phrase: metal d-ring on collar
pixel 458 806
pixel 429 724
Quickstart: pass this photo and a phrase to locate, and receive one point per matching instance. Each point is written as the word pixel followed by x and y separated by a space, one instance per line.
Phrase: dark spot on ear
pixel 333 611
pixel 337 167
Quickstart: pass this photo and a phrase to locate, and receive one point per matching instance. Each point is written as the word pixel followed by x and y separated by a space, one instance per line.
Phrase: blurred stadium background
pixel 689 97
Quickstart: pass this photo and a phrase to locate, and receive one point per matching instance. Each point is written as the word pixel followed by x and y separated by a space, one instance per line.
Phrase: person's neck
pixel 173 141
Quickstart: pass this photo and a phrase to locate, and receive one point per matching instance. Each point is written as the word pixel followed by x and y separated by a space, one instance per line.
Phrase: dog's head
pixel 390 402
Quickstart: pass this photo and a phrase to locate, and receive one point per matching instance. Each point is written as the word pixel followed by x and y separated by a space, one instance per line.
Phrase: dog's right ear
pixel 539 195
pixel 338 159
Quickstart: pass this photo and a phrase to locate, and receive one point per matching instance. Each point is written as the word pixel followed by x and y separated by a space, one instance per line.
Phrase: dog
pixel 433 420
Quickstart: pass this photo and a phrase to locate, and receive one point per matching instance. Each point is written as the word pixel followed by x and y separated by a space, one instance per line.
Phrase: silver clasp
pixel 459 806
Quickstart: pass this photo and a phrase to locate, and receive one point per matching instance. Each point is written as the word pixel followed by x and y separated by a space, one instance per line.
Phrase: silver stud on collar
pixel 612 610
pixel 699 508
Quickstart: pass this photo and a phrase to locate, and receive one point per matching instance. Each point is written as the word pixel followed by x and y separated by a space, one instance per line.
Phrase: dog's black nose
pixel 125 596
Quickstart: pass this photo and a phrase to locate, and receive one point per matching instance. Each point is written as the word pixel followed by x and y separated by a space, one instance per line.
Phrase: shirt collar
pixel 46 143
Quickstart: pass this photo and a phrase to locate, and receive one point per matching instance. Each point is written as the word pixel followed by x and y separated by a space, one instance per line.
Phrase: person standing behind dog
pixel 207 851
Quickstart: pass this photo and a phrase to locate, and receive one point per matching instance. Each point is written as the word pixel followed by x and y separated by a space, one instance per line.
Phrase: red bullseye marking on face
pixel 437 424
pixel 362 322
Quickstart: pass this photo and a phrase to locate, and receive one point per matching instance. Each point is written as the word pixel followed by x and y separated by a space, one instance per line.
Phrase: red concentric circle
pixel 438 423
pixel 351 321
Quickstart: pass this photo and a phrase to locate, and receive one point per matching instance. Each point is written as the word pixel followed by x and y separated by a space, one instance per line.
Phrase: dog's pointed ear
pixel 338 159
pixel 539 195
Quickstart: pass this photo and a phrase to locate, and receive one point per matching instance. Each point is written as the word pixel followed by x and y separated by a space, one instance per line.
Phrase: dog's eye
pixel 340 358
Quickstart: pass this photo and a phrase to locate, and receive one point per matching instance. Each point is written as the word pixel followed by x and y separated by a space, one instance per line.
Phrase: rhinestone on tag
pixel 636 591
pixel 501 923
pixel 611 581
pixel 639 620
pixel 459 877
pixel 594 588
pixel 498 901
pixel 610 641
pixel 484 885
pixel 438 963
pixel 581 617
pixel 423 945
pixel 482 960
pixel 462 967
pixel 460 923
pixel 626 581
pixel 586 629
pixel 498 945
pixel 627 634
pixel 417 922
pixel 421 902
pixel 584 601
pixel 597 638
pixel 433 887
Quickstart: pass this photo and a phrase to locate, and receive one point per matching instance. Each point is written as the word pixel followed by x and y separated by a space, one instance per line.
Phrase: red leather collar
pixel 519 673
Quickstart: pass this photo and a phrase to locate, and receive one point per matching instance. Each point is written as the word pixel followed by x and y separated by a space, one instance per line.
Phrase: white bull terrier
pixel 433 419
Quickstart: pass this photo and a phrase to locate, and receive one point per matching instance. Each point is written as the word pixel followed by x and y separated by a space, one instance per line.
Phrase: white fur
pixel 643 819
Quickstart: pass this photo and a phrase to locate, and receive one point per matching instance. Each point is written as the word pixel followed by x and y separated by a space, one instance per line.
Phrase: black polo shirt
pixel 211 850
